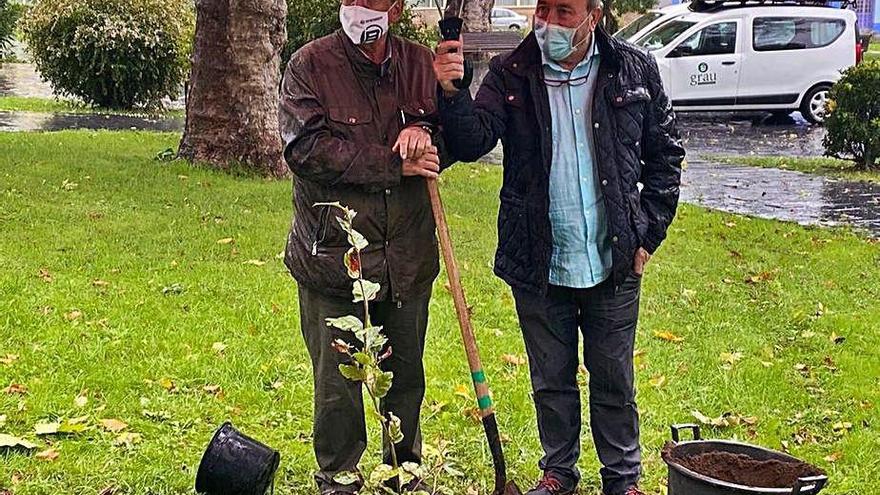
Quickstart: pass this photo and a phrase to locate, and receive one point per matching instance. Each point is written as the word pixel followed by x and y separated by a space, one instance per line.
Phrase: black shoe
pixel 551 485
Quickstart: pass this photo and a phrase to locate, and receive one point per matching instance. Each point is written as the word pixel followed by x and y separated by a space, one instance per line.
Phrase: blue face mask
pixel 557 42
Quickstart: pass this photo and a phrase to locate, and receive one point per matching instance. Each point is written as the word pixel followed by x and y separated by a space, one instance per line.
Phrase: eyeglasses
pixel 557 83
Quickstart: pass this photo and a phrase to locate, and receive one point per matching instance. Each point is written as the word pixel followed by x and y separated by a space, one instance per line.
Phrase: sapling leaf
pixel 364 289
pixel 381 474
pixel 357 240
pixel 346 478
pixel 395 433
pixel 352 372
pixel 363 359
pixel 346 323
pixel 382 384
pixel 352 264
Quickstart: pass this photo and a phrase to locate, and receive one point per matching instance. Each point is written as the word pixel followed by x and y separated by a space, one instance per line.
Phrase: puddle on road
pixel 26 121
pixel 752 134
pixel 783 195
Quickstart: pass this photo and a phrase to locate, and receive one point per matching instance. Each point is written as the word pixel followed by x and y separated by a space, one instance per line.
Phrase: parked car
pixel 733 56
pixel 506 19
pixel 648 21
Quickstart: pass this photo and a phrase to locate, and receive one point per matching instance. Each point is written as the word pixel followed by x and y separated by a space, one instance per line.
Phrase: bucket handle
pixel 677 429
pixel 818 483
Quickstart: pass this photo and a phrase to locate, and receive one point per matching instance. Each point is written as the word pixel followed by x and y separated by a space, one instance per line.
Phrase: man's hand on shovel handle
pixel 449 65
pixel 427 165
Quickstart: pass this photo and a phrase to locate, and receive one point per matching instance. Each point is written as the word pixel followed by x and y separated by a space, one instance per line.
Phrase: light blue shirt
pixel 581 248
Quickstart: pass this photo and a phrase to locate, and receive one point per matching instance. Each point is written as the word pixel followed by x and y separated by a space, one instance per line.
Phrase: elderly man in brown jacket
pixel 357 111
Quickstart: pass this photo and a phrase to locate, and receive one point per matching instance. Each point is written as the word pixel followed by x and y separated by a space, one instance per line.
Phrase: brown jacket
pixel 340 114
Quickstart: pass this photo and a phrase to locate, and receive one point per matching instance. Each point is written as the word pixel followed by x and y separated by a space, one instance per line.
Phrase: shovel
pixel 481 386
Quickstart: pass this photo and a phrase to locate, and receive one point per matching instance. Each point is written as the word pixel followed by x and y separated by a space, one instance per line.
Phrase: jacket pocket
pixel 629 109
pixel 349 115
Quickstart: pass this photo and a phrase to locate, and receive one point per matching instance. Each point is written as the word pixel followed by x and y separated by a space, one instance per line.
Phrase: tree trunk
pixel 232 101
pixel 476 13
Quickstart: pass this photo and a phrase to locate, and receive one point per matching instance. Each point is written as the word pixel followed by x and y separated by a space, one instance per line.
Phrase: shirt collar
pixel 592 51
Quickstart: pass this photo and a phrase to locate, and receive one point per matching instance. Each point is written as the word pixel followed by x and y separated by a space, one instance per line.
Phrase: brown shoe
pixel 551 485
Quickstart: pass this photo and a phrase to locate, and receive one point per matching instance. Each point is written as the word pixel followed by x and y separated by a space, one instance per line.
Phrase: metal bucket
pixel 683 481
pixel 235 464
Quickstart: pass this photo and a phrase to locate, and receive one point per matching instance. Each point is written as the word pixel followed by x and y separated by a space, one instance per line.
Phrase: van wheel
pixel 514 27
pixel 813 105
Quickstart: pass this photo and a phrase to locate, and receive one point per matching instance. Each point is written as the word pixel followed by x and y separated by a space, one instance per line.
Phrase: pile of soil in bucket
pixel 742 469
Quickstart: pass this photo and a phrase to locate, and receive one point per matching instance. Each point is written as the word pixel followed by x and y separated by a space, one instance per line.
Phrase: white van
pixel 648 21
pixel 747 56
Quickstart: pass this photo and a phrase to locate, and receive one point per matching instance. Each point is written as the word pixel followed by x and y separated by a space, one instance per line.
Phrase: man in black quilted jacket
pixel 592 166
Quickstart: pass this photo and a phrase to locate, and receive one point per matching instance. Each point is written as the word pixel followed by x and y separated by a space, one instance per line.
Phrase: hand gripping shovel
pixel 481 386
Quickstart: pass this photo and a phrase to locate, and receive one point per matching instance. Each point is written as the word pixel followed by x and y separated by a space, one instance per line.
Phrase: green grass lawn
pixel 812 165
pixel 49 105
pixel 119 303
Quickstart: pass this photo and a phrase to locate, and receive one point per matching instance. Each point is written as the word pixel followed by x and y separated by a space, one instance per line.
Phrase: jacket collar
pixel 526 58
pixel 363 66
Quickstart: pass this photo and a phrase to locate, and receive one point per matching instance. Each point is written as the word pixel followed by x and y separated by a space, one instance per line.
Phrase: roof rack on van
pixel 715 5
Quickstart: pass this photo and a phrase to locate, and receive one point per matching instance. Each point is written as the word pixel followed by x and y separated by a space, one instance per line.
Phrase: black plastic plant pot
pixel 236 464
pixel 683 481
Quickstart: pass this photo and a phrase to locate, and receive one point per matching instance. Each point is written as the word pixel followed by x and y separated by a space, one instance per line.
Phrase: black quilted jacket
pixel 636 142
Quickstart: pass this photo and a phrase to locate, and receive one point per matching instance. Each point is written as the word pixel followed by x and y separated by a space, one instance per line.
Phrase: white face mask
pixel 362 25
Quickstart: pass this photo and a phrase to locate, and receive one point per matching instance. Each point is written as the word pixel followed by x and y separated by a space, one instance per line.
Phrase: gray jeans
pixel 551 325
pixel 340 436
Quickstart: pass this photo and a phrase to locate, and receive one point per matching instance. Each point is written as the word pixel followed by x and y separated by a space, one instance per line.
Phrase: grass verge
pixel 812 165
pixel 118 302
pixel 49 105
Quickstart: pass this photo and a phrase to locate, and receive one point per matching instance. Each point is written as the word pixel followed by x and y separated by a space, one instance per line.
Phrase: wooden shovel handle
pixel 481 386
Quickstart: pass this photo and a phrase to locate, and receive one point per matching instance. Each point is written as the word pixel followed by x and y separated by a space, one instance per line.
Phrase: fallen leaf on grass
pixel 45 275
pixel 463 391
pixel 218 347
pixel 731 358
pixel 113 425
pixel 63 427
pixel 226 240
pixel 726 420
pixel 837 339
pixel 669 337
pixel 842 426
pixel 212 389
pixel 658 381
pixel 832 458
pixel 73 315
pixel 254 262
pixel 9 441
pixel 760 277
pixel 127 439
pixel 513 359
pixel 15 388
pixel 47 455
pixel 2 419
pixel 8 359
pixel 167 384
pixel 100 283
